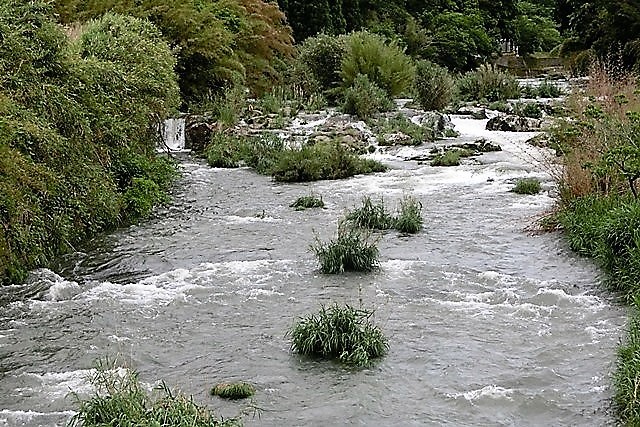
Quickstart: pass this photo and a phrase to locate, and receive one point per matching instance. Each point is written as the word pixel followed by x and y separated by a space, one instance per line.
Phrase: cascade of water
pixel 172 131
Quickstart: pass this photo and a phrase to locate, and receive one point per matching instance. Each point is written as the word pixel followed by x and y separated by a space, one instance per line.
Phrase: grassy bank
pixel 599 210
pixel 78 126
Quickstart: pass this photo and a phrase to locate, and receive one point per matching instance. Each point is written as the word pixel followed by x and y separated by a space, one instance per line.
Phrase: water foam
pixel 490 392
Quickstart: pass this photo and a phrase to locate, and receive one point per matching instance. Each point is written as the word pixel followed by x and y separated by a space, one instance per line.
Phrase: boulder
pixel 510 123
pixel 198 131
pixel 475 112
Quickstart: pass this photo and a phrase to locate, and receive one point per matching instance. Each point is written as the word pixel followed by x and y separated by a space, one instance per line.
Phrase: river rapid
pixel 488 324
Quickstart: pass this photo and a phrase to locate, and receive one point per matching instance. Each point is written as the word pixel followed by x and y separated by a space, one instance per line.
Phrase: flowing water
pixel 487 324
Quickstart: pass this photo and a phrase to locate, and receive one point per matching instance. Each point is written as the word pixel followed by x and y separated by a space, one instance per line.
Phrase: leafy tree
pixel 460 41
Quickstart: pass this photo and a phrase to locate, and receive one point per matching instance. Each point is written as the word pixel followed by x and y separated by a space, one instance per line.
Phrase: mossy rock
pixel 233 391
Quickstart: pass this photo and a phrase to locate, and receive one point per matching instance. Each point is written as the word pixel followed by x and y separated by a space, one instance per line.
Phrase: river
pixel 488 324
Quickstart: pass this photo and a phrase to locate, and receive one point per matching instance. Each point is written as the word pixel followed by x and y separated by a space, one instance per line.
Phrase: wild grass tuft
pixel 233 391
pixel 343 333
pixel 409 219
pixel 373 216
pixel 448 158
pixel 121 400
pixel 351 250
pixel 527 186
pixel 307 202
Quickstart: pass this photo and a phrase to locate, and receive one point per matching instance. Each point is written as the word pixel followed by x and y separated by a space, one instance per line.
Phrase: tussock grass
pixel 448 158
pixel 409 219
pixel 527 186
pixel 121 400
pixel 233 391
pixel 338 332
pixel 373 216
pixel 351 250
pixel 307 202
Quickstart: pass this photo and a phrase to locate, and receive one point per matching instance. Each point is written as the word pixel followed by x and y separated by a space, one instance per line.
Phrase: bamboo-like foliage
pixel 338 332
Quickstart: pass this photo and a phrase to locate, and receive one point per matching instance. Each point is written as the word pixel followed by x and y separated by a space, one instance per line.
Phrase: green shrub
pixel 548 90
pixel 322 56
pixel 433 85
pixel 409 219
pixel 320 161
pixel 371 216
pixel 226 150
pixel 527 186
pixel 307 202
pixel 342 333
pixel 121 400
pixel 233 391
pixel 78 127
pixel 487 83
pixel 400 123
pixel 364 98
pixel 448 158
pixel 502 106
pixel 384 63
pixel 528 109
pixel 351 250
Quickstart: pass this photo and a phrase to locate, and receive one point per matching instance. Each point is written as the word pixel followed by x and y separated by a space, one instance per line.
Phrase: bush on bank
pixel 78 122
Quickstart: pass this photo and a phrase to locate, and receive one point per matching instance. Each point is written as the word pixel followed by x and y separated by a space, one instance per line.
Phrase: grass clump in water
pixel 371 215
pixel 307 202
pixel 448 158
pixel 269 155
pixel 121 400
pixel 527 186
pixel 343 333
pixel 409 219
pixel 351 250
pixel 233 391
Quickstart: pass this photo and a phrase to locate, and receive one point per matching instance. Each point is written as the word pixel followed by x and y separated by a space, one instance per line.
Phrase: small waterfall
pixel 172 131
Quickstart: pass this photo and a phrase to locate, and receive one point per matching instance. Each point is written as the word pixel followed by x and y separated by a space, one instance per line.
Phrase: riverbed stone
pixel 511 123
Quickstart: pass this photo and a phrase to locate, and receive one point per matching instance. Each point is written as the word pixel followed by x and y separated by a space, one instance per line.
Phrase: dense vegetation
pixel 78 125
pixel 599 209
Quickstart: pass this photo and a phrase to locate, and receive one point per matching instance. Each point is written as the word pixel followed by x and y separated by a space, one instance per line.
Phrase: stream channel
pixel 488 324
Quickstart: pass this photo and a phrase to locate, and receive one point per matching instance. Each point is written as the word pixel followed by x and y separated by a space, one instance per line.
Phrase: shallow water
pixel 487 324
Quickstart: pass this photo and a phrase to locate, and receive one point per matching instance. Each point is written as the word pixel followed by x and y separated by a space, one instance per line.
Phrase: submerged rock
pixel 510 123
pixel 475 112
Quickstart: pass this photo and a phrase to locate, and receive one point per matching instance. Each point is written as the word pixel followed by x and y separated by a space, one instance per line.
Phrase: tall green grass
pixel 373 216
pixel 338 332
pixel 409 219
pixel 353 249
pixel 121 400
